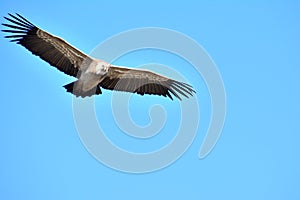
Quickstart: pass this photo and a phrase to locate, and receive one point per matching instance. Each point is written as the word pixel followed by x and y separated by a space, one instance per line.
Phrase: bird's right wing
pixel 50 48
pixel 144 82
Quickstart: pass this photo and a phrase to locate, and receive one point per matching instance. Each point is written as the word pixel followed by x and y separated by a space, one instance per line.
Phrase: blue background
pixel 256 48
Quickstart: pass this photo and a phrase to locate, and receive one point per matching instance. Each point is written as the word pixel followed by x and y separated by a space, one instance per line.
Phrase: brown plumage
pixel 92 74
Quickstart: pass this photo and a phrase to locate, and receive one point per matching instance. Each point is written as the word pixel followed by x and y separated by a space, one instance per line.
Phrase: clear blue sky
pixel 256 48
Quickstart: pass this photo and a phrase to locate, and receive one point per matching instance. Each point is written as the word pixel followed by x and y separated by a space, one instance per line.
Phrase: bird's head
pixel 102 67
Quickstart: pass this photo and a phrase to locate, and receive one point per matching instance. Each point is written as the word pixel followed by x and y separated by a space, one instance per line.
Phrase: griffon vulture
pixel 92 74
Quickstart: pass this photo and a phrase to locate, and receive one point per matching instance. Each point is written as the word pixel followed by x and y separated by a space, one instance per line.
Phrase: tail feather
pixel 94 91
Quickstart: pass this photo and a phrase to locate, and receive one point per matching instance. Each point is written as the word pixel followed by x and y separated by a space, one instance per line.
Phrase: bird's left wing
pixel 144 82
pixel 50 48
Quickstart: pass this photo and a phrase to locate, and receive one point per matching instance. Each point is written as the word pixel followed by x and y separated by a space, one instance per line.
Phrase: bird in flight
pixel 92 74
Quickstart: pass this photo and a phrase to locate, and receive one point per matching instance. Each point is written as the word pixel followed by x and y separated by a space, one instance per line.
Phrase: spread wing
pixel 50 48
pixel 144 82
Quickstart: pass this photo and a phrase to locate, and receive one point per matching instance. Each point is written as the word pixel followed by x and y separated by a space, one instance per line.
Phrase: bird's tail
pixel 79 93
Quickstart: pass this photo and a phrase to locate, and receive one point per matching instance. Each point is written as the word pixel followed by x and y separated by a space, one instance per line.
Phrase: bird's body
pixel 92 74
